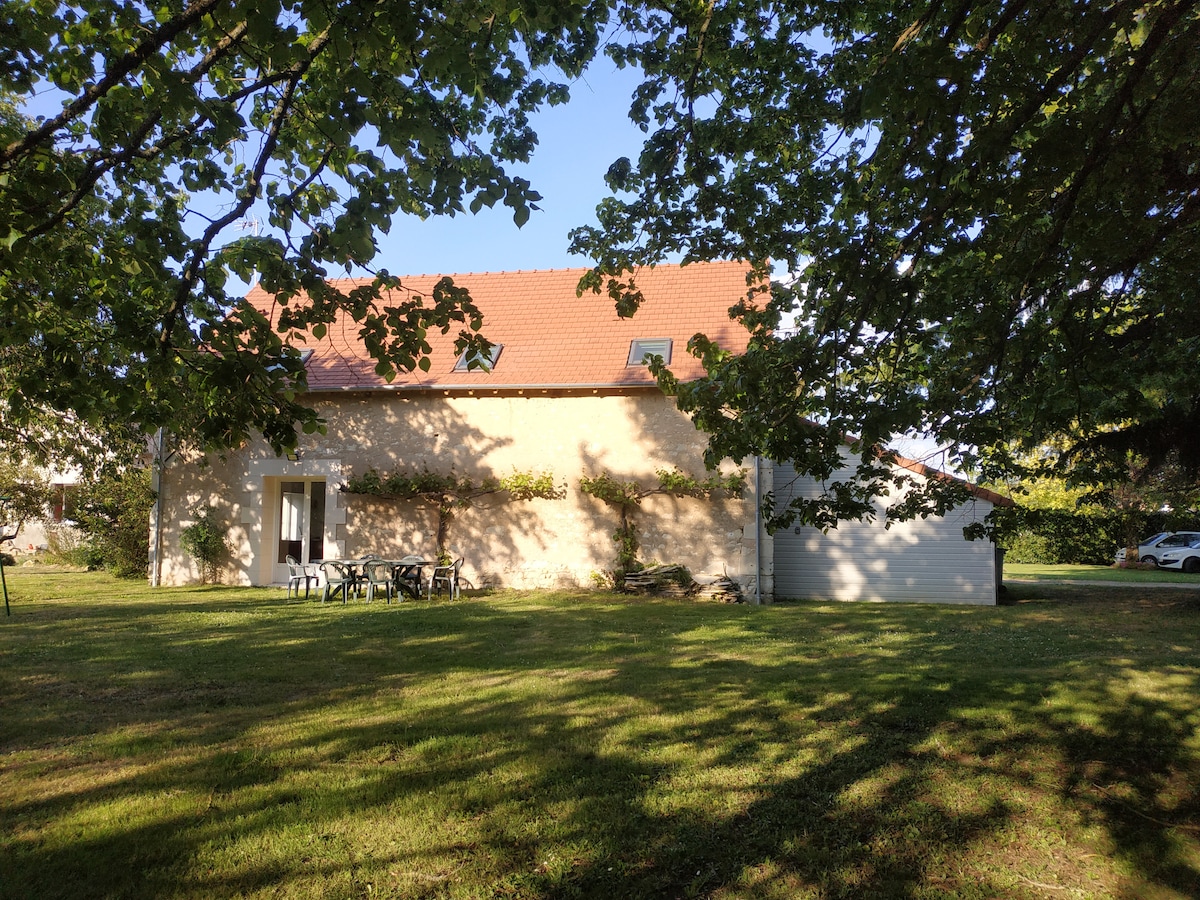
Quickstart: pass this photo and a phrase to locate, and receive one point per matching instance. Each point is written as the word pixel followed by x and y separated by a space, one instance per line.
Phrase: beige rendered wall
pixel 538 543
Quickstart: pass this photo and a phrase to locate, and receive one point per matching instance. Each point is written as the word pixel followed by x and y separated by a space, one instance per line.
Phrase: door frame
pixel 273 521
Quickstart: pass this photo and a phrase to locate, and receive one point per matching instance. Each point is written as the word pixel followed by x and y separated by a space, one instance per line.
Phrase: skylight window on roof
pixel 640 348
pixel 305 356
pixel 483 362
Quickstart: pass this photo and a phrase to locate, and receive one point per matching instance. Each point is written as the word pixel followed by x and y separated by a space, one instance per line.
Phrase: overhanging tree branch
pixel 131 62
pixel 246 196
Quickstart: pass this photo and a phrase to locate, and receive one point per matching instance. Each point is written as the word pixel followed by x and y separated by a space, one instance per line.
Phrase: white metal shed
pixel 924 560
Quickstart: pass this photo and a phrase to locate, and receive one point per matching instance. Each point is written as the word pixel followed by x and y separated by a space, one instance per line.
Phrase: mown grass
pixel 1041 572
pixel 215 742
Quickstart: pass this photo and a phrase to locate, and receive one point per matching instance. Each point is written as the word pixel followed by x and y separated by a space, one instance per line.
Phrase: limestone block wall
pixel 539 543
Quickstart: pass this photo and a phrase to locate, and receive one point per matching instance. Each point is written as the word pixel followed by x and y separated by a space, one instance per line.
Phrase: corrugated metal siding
pixel 927 560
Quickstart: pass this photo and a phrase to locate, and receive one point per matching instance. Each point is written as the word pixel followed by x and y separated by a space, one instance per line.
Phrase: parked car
pixel 1186 558
pixel 1151 549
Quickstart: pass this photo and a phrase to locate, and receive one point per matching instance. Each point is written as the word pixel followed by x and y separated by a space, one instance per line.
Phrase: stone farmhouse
pixel 567 394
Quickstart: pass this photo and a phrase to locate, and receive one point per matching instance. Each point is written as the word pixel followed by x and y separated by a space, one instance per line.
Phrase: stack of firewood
pixel 723 589
pixel 674 581
pixel 670 581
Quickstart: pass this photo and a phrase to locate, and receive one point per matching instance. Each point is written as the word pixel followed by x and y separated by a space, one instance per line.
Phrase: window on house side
pixel 640 348
pixel 487 362
pixel 62 504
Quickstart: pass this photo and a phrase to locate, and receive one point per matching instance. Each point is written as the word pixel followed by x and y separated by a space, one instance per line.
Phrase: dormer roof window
pixel 483 362
pixel 640 348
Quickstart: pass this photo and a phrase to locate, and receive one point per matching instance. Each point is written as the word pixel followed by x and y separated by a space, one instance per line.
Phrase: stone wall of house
pixel 539 543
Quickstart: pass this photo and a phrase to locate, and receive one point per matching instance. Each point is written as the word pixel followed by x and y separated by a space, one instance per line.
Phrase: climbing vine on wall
pixel 449 494
pixel 627 496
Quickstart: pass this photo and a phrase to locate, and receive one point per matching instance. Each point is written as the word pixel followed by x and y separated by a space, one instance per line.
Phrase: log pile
pixel 675 581
pixel 723 589
pixel 668 581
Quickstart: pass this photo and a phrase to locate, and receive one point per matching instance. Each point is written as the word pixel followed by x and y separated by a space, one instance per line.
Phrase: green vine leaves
pixel 449 493
pixel 673 482
pixel 452 490
pixel 627 496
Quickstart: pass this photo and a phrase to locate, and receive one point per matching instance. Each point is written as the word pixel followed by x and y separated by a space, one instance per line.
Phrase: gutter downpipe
pixel 160 462
pixel 757 530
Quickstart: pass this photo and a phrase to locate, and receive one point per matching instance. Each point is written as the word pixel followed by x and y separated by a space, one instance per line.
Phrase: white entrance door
pixel 301 528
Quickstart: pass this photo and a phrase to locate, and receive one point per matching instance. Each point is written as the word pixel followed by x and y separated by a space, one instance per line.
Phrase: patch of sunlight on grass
pixel 767 880
pixel 874 786
pixel 113 814
pixel 1158 686
pixel 197 744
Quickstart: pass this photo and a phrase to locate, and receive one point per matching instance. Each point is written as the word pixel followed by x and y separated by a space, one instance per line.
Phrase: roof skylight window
pixel 471 361
pixel 641 348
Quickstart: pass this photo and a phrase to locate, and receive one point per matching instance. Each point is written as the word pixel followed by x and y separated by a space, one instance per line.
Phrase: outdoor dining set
pixel 372 575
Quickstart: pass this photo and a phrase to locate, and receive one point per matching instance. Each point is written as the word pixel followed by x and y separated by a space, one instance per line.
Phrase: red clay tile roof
pixel 929 472
pixel 551 337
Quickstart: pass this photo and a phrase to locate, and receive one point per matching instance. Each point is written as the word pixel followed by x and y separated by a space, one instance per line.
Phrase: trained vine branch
pixel 627 496
pixel 449 494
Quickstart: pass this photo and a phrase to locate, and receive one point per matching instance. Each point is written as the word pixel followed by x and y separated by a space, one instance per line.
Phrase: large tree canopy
pixel 164 125
pixel 990 210
pixel 982 216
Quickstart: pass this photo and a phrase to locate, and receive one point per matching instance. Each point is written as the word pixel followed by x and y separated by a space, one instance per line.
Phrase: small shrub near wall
pixel 205 541
pixel 69 546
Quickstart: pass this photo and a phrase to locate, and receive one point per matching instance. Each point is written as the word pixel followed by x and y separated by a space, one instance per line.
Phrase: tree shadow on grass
pixel 594 750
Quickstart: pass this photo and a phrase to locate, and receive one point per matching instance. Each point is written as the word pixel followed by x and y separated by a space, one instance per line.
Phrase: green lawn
pixel 216 742
pixel 1098 573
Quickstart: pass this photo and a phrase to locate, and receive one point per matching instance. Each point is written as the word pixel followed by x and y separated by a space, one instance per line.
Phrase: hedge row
pixel 1093 537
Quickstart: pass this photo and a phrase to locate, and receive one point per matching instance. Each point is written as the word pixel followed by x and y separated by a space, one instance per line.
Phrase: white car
pixel 1151 549
pixel 1186 558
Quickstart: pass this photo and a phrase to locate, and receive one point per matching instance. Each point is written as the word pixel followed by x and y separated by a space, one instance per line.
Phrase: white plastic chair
pixel 446 577
pixel 297 573
pixel 379 575
pixel 339 579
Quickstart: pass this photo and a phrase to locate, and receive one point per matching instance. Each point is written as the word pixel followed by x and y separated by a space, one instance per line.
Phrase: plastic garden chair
pixel 446 577
pixel 379 575
pixel 339 579
pixel 298 574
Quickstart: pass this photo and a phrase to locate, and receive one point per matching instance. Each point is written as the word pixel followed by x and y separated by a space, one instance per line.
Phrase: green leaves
pixel 530 485
pixel 606 488
pixel 27 493
pixel 112 508
pixel 443 488
pixel 984 223
pixel 627 497
pixel 447 492
pixel 206 540
pixel 320 123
